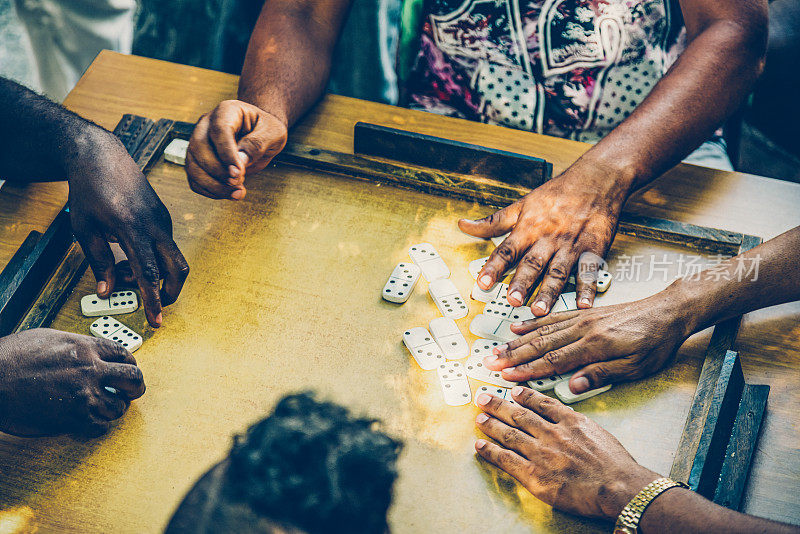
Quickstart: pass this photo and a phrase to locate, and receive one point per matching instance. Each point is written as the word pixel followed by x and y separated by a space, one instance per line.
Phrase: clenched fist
pixel 235 139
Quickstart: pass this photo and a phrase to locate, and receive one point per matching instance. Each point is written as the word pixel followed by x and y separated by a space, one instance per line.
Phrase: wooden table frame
pixel 724 419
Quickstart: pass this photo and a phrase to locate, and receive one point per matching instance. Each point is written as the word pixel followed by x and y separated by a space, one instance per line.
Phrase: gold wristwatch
pixel 628 520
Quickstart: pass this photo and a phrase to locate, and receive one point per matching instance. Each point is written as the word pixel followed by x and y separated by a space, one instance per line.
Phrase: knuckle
pixel 150 272
pixel 558 271
pixel 537 344
pixel 548 403
pixel 506 252
pixel 533 262
pixel 520 417
pixel 510 436
pixel 601 375
pixel 552 358
pixel 506 457
pixel 257 145
pixel 545 330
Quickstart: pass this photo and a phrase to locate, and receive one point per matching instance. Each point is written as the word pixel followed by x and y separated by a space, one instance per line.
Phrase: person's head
pixel 310 467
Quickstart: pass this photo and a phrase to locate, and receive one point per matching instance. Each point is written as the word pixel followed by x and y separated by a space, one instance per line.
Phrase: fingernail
pixel 519 323
pixel 483 399
pixel 102 287
pixel 244 158
pixel 501 348
pixel 159 318
pixel 508 370
pixel 482 418
pixel 490 359
pixel 516 390
pixel 481 443
pixel 585 301
pixel 238 194
pixel 540 305
pixel 486 280
pixel 580 385
pixel 233 170
pixel 516 295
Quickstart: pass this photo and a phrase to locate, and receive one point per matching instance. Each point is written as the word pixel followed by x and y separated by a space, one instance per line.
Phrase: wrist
pixel 684 305
pixel 617 493
pixel 87 146
pixel 270 106
pixel 616 175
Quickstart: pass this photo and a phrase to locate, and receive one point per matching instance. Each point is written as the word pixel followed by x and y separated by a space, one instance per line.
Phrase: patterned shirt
pixel 568 68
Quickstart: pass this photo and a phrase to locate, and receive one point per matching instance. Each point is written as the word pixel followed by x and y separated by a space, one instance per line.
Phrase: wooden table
pixel 256 321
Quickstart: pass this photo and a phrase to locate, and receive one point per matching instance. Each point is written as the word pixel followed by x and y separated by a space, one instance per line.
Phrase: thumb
pixel 101 260
pixel 498 223
pixel 601 374
pixel 264 142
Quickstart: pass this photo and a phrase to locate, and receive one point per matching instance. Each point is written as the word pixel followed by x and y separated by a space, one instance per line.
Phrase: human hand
pixel 111 200
pixel 235 139
pixel 570 220
pixel 607 344
pixel 561 456
pixel 54 382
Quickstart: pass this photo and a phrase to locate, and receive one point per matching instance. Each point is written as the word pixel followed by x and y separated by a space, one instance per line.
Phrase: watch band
pixel 628 520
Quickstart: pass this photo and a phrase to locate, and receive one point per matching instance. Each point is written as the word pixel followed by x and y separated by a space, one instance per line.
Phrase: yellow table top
pixel 284 296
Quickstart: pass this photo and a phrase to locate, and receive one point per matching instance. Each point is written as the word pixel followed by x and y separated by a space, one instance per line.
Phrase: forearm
pixel 40 140
pixel 289 56
pixel 764 276
pixel 682 510
pixel 706 84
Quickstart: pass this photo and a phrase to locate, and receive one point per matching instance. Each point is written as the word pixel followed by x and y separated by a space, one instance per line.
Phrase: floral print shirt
pixel 568 68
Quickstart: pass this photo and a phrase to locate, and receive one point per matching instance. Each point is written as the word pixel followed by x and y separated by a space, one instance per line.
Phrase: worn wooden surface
pixel 255 321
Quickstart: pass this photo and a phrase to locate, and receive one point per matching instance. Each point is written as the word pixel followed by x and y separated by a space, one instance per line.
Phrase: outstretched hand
pixel 561 456
pixel 606 345
pixel 569 221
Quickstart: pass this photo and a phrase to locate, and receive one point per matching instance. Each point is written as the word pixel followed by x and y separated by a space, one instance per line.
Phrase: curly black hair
pixel 313 466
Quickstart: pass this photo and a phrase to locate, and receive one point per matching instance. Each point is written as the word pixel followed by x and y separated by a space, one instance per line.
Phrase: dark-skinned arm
pixel 571 220
pixel 285 71
pixel 628 341
pixel 110 199
pixel 568 461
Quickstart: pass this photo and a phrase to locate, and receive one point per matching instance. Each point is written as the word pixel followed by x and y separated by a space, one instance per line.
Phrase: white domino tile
pixel 502 393
pixel 454 384
pixel 425 256
pixel 565 302
pixel 500 307
pixel 566 396
pixel 447 298
pixel 176 151
pixel 475 266
pixel 483 347
pixel 487 295
pixel 401 283
pixel 604 280
pixel 499 239
pixel 108 328
pixel 547 383
pixel 476 369
pixel 447 335
pixel 495 328
pixel 423 348
pixel 118 302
